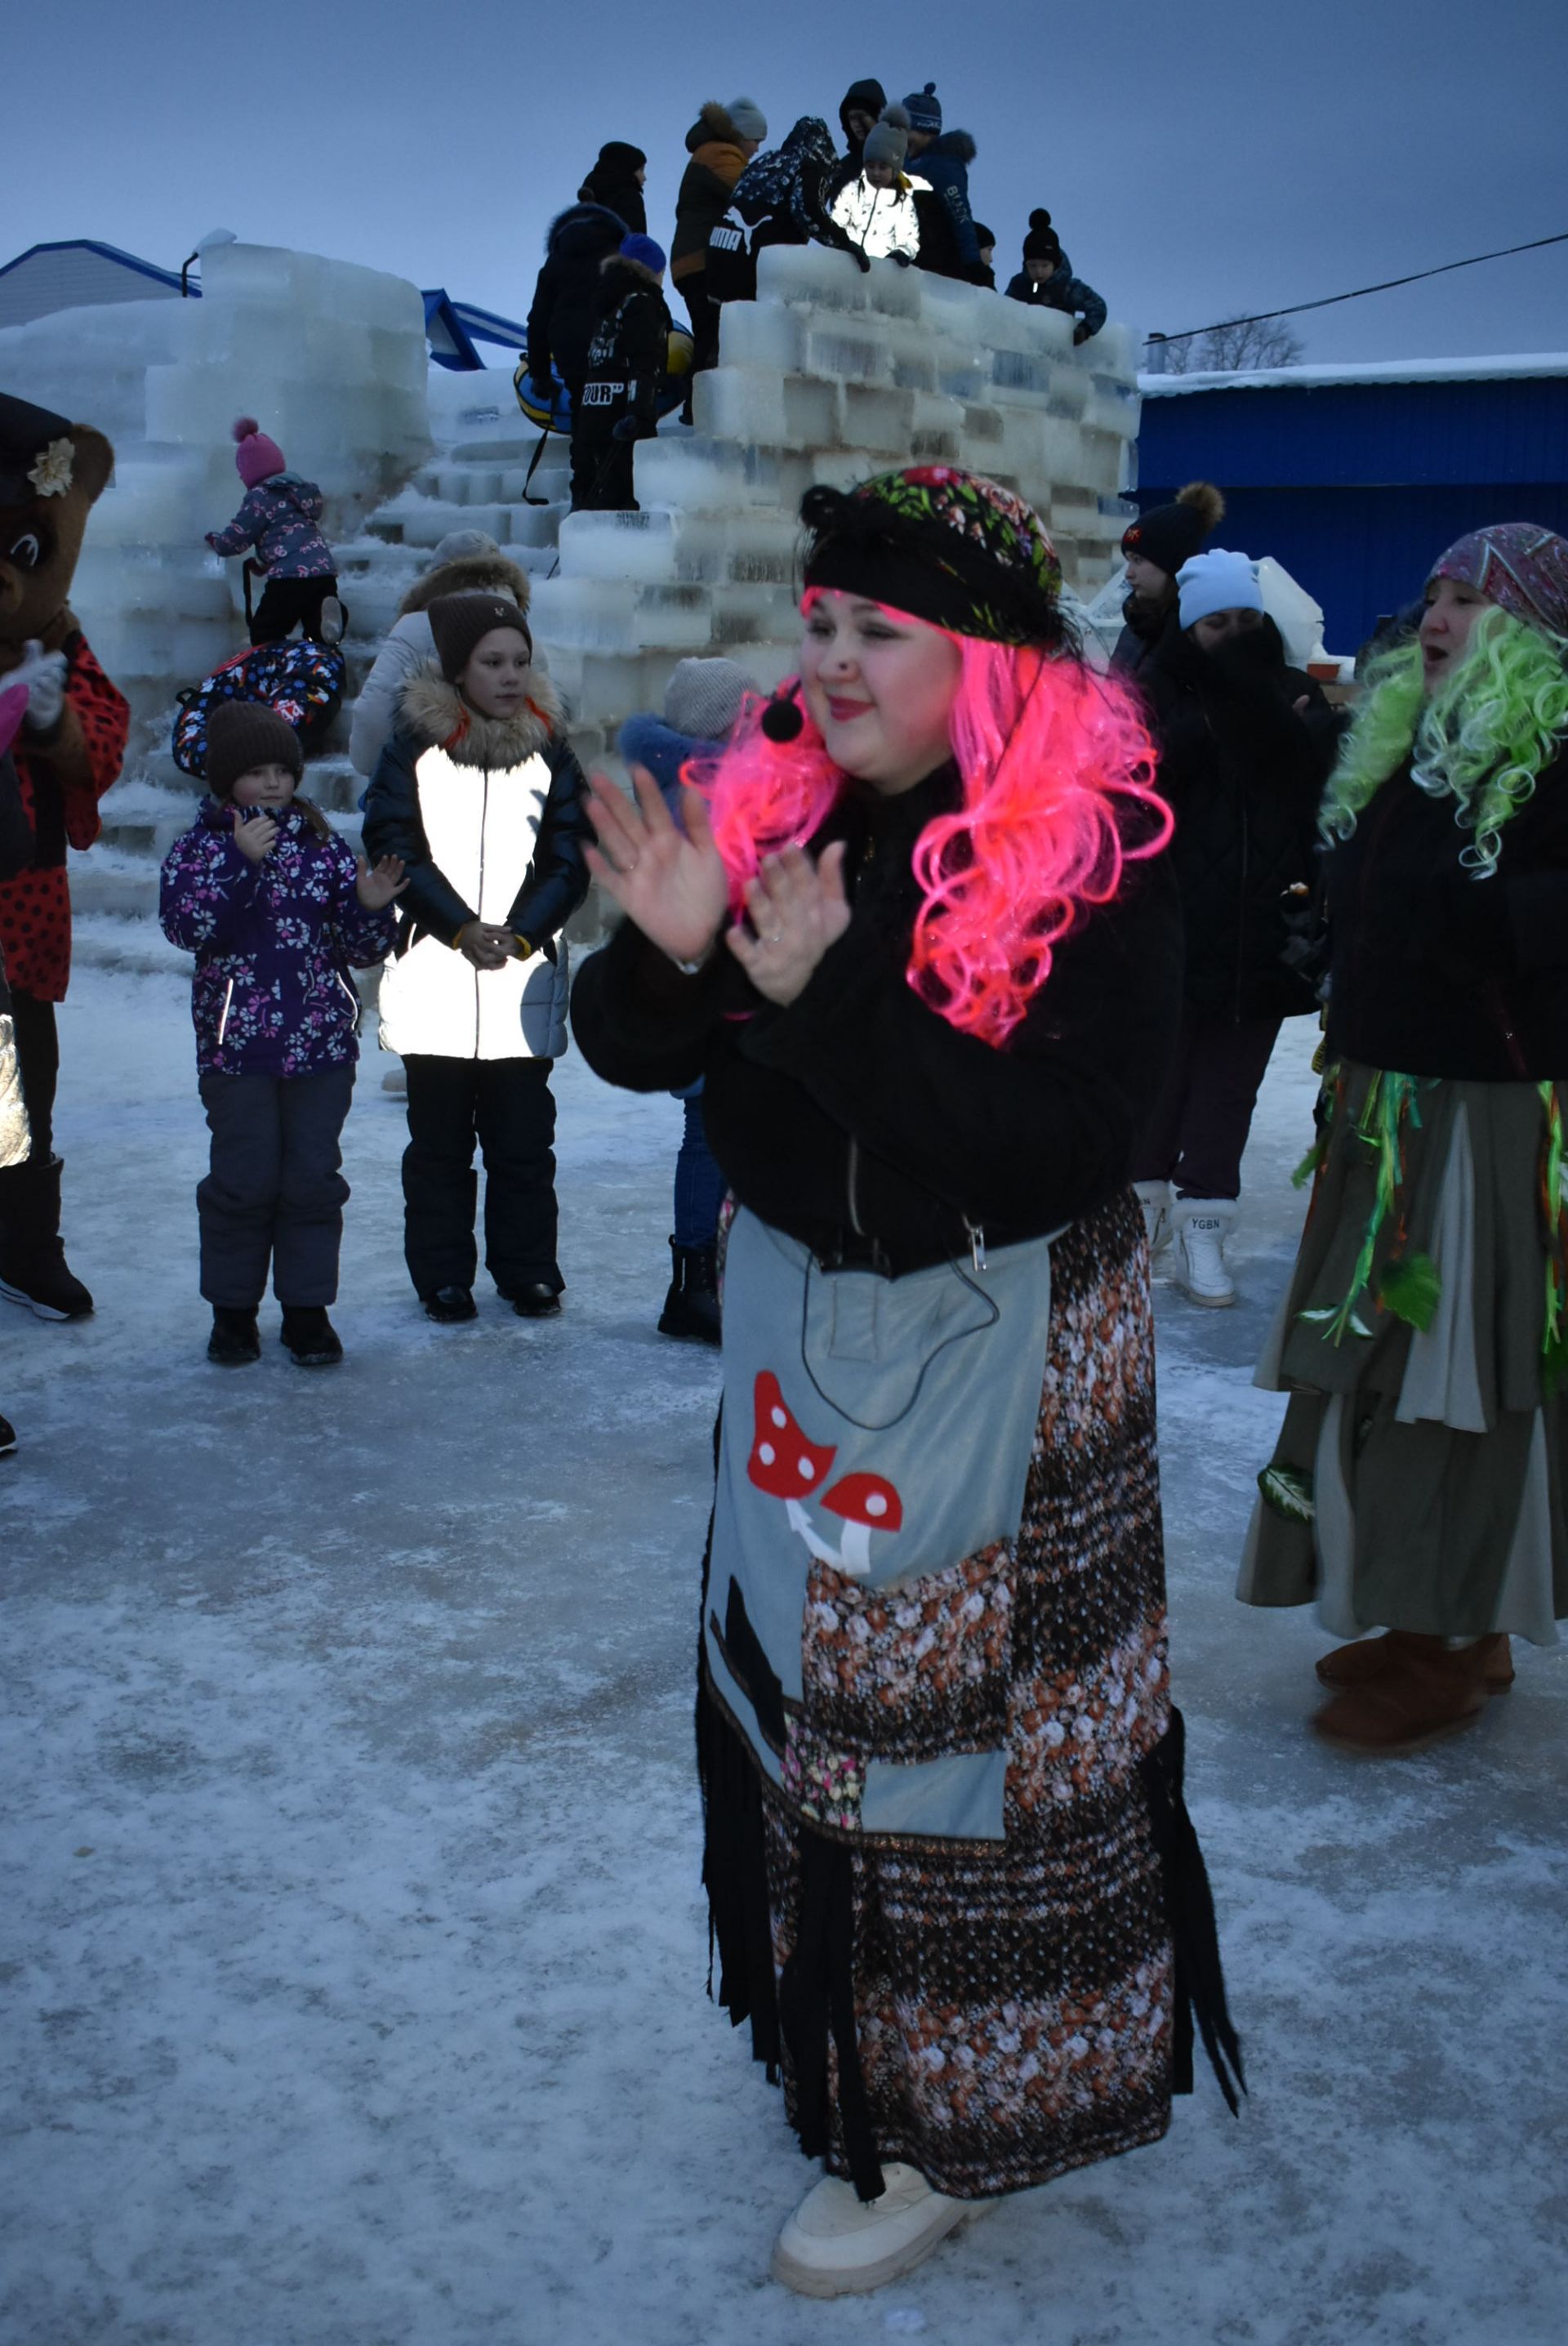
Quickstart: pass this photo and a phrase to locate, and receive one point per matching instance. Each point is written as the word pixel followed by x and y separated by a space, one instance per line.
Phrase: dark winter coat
pixel 1140 638
pixel 857 1119
pixel 630 351
pixel 61 776
pixel 618 192
pixel 948 244
pixel 718 158
pixel 279 517
pixel 1244 777
pixel 565 306
pixel 487 815
pixel 274 942
pixel 1062 291
pixel 1433 973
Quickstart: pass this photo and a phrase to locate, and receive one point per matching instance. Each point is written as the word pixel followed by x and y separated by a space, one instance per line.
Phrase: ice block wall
pixel 330 360
pixel 830 374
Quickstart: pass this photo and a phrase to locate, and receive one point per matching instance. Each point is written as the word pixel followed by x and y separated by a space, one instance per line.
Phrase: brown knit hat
pixel 241 734
pixel 458 622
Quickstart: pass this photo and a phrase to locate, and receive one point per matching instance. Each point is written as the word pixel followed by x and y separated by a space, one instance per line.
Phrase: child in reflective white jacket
pixel 878 208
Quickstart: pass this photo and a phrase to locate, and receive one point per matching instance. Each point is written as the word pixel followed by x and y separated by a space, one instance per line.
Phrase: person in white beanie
pixel 876 209
pixel 1246 747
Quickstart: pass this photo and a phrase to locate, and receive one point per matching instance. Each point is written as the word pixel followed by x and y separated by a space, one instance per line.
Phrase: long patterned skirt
pixel 991 2012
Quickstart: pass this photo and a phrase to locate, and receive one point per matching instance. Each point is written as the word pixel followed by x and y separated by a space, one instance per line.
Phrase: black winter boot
pixel 33 1266
pixel 691 1307
pixel 235 1340
pixel 311 1336
pixel 7 1437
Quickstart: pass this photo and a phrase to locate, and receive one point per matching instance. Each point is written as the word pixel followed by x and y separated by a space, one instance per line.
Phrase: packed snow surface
pixel 350 1934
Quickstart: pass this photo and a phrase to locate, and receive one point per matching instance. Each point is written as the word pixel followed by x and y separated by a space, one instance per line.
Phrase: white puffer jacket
pixel 881 220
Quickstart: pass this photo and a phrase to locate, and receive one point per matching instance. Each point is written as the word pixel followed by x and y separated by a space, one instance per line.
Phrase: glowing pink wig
pixel 1057 770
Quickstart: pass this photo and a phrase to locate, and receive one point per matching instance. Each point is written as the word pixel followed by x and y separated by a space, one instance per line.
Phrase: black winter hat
pixel 985 237
pixel 1042 243
pixel 862 97
pixel 459 622
pixel 243 734
pixel 616 155
pixel 1168 535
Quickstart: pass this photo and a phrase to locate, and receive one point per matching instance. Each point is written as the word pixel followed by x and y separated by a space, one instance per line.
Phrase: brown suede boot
pixel 1368 1657
pixel 1425 1692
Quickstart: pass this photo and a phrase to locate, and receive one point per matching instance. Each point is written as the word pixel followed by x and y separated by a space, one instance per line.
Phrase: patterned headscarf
pixel 947 546
pixel 1518 565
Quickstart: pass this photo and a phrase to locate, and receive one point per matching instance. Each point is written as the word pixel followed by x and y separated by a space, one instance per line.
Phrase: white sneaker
pixel 1202 1227
pixel 1154 1197
pixel 837 2245
pixel 334 619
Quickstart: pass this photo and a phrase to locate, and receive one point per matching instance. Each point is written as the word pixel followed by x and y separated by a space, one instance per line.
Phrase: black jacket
pixel 857 1120
pixel 618 192
pixel 1433 973
pixel 630 351
pixel 1244 777
pixel 566 308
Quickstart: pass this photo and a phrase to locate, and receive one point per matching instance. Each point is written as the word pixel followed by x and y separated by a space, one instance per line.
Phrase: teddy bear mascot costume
pixel 66 752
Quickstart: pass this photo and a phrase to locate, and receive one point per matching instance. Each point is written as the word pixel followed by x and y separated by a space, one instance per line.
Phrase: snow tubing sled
pixel 302 681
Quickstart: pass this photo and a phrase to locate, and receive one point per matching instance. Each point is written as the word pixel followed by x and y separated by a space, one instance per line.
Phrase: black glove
pixel 862 260
pixel 626 427
pixel 1080 334
pixel 904 260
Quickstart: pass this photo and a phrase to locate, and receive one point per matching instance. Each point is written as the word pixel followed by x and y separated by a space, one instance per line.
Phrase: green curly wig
pixel 1482 738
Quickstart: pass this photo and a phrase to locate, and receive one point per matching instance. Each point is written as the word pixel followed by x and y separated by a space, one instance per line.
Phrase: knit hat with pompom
pixel 1042 243
pixel 887 139
pixel 257 457
pixel 924 109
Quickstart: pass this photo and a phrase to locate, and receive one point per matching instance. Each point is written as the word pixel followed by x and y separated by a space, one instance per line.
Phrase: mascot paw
pixel 43 675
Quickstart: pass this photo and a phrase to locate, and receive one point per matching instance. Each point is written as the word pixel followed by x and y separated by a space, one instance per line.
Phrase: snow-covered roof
pixel 77 275
pixel 1312 378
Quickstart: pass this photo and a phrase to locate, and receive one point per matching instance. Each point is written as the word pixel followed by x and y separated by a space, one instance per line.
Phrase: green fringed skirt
pixel 1419 1479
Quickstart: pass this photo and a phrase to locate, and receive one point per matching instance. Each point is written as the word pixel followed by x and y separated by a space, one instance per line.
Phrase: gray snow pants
pixel 275 1190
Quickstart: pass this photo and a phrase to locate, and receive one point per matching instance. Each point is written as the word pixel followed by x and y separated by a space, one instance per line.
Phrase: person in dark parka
pixel 1247 744
pixel 627 362
pixel 940 159
pixel 616 181
pixel 566 310
pixel 1153 548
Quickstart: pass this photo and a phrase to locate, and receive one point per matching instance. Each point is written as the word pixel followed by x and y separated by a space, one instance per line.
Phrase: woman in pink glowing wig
pixel 916 934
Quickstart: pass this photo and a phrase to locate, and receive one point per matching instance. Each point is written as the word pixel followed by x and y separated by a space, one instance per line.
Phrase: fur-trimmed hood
pixel 621 275
pixel 958 144
pixel 582 229
pixel 471 574
pixel 713 128
pixel 438 717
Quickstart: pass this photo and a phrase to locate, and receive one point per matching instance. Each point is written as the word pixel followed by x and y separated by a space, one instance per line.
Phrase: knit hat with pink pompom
pixel 257 456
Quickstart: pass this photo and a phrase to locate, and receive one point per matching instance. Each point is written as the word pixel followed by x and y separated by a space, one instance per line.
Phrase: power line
pixel 1295 308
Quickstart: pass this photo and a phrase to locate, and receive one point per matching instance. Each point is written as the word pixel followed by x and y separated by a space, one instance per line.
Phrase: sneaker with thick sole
pixel 51 1291
pixel 334 619
pixel 1202 1225
pixel 838 2245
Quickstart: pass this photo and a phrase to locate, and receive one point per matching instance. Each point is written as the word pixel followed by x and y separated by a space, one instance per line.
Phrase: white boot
pixel 838 2245
pixel 1202 1227
pixel 1154 1197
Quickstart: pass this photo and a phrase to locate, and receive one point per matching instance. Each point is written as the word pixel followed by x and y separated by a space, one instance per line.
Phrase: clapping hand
pixel 671 883
pixel 254 834
pixel 797 910
pixel 375 890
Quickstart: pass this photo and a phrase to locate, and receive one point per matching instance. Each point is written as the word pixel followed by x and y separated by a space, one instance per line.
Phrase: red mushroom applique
pixel 868 1503
pixel 785 1463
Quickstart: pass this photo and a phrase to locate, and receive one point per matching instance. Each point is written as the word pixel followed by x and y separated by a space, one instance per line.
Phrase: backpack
pixel 303 681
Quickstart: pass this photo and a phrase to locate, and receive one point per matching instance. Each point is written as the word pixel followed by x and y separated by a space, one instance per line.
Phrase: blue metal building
pixel 1355 477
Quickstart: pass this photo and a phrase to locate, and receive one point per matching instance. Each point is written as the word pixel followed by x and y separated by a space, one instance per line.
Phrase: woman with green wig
pixel 1419 1485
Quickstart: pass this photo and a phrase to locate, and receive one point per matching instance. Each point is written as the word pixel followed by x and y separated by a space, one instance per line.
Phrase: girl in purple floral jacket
pixel 277 911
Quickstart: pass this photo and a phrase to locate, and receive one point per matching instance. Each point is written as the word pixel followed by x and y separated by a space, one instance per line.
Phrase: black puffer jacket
pixel 565 310
pixel 630 349
pixel 857 1120
pixel 1435 973
pixel 1244 777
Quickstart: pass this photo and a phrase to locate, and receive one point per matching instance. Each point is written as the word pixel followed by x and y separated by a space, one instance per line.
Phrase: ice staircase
pixel 830 375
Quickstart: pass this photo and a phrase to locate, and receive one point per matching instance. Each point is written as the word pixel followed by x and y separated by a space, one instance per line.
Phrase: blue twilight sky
pixel 1201 157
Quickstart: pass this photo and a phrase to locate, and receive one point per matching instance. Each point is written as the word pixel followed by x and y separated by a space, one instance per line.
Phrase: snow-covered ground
pixel 350 1940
